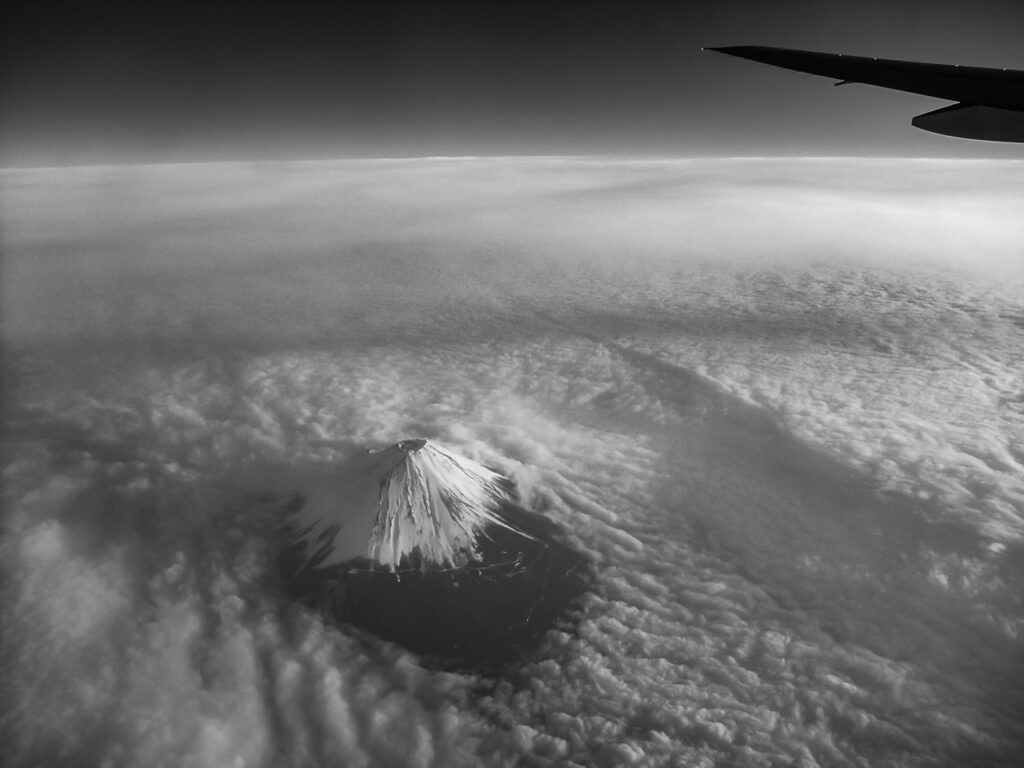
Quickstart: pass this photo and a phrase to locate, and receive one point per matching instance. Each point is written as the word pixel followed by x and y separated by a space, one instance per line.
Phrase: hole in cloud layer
pixel 427 548
pixel 776 404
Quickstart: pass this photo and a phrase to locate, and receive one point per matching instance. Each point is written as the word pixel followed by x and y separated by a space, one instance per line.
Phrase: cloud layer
pixel 779 402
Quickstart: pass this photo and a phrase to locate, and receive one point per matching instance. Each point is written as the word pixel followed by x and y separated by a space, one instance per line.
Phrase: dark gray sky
pixel 189 81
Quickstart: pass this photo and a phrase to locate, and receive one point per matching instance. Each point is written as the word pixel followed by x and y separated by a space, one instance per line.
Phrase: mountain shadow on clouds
pixel 876 568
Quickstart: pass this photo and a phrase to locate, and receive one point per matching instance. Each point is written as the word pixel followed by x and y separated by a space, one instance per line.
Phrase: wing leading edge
pixel 990 102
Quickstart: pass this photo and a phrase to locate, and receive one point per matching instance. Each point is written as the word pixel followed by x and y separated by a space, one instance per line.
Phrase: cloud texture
pixel 779 402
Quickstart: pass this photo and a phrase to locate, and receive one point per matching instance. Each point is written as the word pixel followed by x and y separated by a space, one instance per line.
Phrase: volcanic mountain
pixel 428 549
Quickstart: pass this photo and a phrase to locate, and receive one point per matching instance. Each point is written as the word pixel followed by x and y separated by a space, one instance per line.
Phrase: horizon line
pixel 509 157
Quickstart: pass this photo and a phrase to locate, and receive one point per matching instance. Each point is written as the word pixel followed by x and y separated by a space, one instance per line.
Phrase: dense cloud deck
pixel 777 403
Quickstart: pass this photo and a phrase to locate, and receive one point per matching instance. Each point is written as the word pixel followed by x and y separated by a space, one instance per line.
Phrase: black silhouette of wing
pixel 990 102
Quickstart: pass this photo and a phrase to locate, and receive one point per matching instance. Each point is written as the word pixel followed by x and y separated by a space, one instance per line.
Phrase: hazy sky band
pixel 120 82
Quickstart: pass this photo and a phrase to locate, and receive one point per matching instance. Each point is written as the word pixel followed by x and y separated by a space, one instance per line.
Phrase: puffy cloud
pixel 797 463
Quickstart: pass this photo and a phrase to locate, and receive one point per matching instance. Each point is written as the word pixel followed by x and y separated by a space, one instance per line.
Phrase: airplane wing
pixel 990 101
